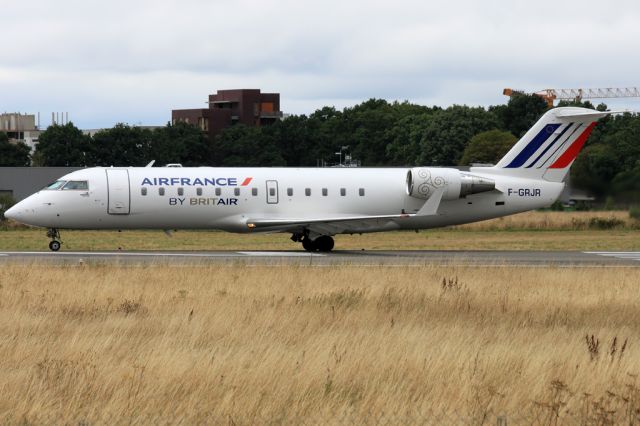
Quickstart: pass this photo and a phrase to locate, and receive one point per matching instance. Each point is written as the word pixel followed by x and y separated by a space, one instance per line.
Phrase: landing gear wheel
pixel 54 234
pixel 324 243
pixel 308 245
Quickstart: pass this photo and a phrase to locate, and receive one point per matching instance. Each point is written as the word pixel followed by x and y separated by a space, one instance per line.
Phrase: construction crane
pixel 550 95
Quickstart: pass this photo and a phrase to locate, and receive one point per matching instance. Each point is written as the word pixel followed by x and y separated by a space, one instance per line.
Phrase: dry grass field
pixel 525 231
pixel 229 345
pixel 556 221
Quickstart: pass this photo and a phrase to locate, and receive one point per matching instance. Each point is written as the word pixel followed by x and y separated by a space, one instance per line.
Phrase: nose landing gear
pixel 55 243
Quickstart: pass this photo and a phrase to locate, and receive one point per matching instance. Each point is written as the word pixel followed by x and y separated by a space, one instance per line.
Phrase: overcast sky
pixel 134 60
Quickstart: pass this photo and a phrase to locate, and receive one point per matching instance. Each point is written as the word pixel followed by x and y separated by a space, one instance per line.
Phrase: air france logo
pixel 182 181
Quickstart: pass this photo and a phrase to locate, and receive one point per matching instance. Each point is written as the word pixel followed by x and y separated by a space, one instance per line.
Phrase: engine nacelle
pixel 422 182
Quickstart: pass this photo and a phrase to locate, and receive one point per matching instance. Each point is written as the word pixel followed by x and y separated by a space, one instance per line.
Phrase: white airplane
pixel 314 204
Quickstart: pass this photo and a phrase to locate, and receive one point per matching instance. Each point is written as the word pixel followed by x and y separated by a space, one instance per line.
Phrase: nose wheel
pixel 55 243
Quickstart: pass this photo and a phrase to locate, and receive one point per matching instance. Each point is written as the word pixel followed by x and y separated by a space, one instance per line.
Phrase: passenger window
pixel 361 192
pixel 218 191
pixel 272 192
pixel 236 191
pixel 198 191
pixel 254 191
pixel 343 192
pixel 81 185
pixel 143 191
pixel 56 185
pixel 324 192
pixel 180 191
pixel 160 191
pixel 290 192
pixel 307 192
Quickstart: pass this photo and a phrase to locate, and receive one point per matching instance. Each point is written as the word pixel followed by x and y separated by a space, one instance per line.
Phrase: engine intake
pixel 422 182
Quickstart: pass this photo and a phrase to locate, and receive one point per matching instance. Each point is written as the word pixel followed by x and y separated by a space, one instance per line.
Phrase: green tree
pixel 626 185
pixel 13 154
pixel 328 131
pixel 368 125
pixel 245 146
pixel 62 145
pixel 609 166
pixel 371 128
pixel 121 145
pixel 576 103
pixel 520 113
pixel 179 143
pixel 487 147
pixel 297 140
pixel 594 169
pixel 448 132
pixel 6 202
pixel 404 139
pixel 622 133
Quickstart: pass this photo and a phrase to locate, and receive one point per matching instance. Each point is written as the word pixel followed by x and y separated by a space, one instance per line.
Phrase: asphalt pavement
pixel 344 257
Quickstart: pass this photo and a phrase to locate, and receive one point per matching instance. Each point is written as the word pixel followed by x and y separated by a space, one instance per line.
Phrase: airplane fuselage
pixel 227 198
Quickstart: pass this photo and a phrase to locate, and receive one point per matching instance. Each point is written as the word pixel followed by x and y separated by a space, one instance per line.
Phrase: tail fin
pixel 549 148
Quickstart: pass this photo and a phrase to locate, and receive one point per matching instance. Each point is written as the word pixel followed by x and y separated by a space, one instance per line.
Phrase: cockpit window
pixel 77 185
pixel 56 185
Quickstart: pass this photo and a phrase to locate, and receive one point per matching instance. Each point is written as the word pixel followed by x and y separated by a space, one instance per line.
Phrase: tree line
pixel 376 132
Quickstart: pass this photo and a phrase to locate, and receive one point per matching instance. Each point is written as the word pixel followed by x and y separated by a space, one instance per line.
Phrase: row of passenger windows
pixel 254 191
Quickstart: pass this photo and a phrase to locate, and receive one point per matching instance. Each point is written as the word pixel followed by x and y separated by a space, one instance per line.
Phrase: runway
pixel 362 258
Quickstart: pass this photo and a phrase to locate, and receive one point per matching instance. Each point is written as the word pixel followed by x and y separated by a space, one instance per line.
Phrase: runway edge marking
pixel 623 255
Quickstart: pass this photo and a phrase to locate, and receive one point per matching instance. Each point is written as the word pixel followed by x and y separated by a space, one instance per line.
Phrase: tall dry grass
pixel 557 221
pixel 237 345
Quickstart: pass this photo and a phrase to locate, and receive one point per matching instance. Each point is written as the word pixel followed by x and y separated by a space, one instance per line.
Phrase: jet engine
pixel 422 182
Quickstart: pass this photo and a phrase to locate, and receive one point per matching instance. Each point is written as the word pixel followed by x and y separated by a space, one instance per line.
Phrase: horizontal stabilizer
pixel 586 114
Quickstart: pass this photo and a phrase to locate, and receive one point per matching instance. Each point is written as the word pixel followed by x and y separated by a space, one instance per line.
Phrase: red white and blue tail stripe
pixel 549 148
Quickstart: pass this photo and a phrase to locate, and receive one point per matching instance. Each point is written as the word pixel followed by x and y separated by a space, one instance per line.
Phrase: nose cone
pixel 21 212
pixel 12 213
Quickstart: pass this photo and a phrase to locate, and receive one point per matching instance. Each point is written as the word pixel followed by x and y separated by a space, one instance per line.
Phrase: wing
pixel 331 225
pixel 327 225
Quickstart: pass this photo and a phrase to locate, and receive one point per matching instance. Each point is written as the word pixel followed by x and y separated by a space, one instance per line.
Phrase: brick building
pixel 229 107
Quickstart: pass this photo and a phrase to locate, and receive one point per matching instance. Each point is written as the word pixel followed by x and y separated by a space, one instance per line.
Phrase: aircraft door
pixel 272 192
pixel 118 191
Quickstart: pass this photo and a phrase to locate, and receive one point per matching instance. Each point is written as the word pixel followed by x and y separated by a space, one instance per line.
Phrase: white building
pixel 20 128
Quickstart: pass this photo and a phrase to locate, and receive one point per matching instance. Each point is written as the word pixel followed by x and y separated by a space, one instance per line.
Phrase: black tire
pixel 309 245
pixel 54 245
pixel 324 243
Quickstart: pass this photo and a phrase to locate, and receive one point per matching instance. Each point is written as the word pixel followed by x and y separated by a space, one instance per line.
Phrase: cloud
pixel 134 61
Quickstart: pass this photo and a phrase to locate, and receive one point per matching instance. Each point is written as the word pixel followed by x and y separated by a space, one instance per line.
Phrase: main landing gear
pixel 322 243
pixel 55 243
